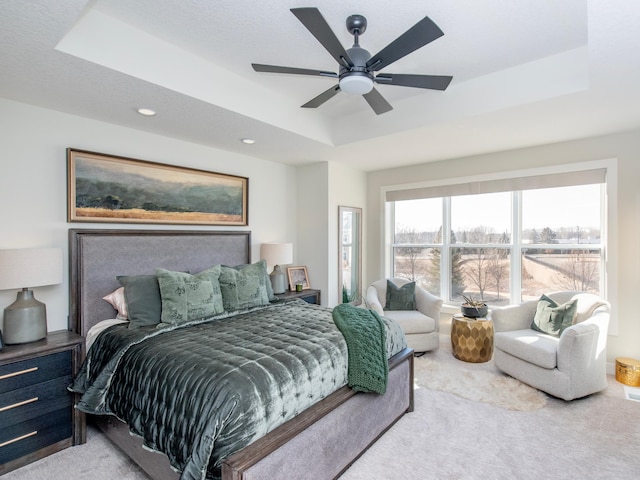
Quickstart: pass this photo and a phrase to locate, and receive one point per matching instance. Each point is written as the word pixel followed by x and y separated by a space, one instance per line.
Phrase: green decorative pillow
pixel 142 295
pixel 401 298
pixel 213 275
pixel 187 297
pixel 553 319
pixel 244 286
pixel 266 280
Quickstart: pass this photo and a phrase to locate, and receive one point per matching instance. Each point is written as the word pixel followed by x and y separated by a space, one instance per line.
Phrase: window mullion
pixel 445 253
pixel 516 251
pixel 390 240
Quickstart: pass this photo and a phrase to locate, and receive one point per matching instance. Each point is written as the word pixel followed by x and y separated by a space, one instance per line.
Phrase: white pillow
pixel 117 301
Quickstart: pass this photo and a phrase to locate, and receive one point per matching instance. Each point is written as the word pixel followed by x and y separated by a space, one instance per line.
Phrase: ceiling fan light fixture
pixel 356 84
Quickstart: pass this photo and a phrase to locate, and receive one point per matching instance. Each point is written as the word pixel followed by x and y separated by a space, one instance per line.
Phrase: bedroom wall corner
pixel 348 188
pixel 322 188
pixel 312 219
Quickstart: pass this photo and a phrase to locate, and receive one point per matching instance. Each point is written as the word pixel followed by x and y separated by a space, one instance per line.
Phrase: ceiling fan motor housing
pixel 357 79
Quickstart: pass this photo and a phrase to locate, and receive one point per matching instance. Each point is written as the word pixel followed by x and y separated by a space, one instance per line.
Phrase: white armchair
pixel 570 366
pixel 421 326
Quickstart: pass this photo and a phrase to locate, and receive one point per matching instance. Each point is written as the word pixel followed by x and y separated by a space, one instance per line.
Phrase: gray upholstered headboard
pixel 96 256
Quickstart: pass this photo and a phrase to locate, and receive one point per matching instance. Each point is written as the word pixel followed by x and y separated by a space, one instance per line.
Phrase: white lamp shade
pixel 277 253
pixel 30 267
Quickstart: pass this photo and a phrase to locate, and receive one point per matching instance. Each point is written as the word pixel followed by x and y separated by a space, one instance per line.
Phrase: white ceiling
pixel 525 72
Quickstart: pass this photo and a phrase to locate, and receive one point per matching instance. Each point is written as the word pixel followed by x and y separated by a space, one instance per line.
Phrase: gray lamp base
pixel 278 281
pixel 25 320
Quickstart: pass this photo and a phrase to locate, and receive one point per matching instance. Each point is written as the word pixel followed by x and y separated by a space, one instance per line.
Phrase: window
pixel 501 246
pixel 418 242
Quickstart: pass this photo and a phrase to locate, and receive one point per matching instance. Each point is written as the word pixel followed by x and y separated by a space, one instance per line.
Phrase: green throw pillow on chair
pixel 553 319
pixel 401 298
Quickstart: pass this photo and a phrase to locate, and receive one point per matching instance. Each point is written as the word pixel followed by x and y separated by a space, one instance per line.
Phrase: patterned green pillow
pixel 266 279
pixel 553 319
pixel 400 298
pixel 244 286
pixel 213 274
pixel 187 297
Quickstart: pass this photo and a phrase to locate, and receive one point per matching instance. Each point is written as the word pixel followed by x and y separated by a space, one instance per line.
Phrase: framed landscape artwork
pixel 107 188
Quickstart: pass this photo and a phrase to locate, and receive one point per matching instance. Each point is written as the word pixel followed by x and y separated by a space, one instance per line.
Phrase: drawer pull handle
pixel 21 372
pixel 19 404
pixel 9 442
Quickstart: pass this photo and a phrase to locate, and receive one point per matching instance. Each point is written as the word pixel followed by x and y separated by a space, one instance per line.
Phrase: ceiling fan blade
pixel 323 97
pixel 295 71
pixel 433 82
pixel 377 102
pixel 423 32
pixel 319 28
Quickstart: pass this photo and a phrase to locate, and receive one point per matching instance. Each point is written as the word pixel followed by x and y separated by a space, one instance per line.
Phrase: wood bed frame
pixel 320 443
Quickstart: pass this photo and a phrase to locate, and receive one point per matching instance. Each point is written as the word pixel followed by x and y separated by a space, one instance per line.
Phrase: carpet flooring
pixel 481 382
pixel 447 437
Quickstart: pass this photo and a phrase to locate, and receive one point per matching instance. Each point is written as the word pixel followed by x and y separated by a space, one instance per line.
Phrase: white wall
pixel 33 185
pixel 322 187
pixel 347 188
pixel 313 234
pixel 623 258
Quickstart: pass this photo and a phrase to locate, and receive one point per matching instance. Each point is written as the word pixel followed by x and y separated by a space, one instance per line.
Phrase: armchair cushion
pixel 400 297
pixel 553 319
pixel 412 321
pixel 531 346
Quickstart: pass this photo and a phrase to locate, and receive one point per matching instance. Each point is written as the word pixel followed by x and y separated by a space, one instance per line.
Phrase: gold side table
pixel 472 339
pixel 628 371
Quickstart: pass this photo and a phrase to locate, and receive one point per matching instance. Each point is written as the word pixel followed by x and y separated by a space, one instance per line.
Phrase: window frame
pixel 608 225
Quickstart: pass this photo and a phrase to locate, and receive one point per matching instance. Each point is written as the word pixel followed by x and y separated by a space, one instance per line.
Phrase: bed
pixel 319 442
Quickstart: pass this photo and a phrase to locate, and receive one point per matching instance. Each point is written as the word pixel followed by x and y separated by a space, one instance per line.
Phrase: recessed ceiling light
pixel 146 112
pixel 248 141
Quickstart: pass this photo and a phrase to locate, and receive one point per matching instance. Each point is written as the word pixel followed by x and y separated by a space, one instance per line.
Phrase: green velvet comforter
pixel 202 391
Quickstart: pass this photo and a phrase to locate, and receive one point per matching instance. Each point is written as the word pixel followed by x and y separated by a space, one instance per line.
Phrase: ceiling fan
pixel 357 68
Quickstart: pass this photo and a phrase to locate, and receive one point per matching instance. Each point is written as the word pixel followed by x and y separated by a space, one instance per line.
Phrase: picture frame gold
pixel 298 275
pixel 109 188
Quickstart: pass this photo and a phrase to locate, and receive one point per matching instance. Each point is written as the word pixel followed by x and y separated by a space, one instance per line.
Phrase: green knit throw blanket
pixel 365 334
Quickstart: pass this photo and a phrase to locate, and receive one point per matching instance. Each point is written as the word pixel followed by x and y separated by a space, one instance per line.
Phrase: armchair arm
pixel 428 304
pixel 584 343
pixel 373 302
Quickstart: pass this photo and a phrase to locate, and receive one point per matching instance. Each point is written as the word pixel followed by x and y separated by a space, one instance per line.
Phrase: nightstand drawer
pixel 34 370
pixel 309 295
pixel 25 403
pixel 312 298
pixel 34 434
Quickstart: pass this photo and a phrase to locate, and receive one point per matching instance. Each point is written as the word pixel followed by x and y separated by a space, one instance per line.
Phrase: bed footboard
pixel 320 443
pixel 323 441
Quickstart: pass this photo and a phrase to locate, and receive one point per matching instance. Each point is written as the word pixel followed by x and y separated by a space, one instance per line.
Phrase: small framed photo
pixel 298 276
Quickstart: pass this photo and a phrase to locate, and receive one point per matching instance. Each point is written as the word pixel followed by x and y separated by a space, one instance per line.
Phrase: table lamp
pixel 277 254
pixel 25 320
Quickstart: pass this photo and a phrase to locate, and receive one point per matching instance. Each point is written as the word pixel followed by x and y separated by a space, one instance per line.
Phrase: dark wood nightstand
pixel 37 417
pixel 309 295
